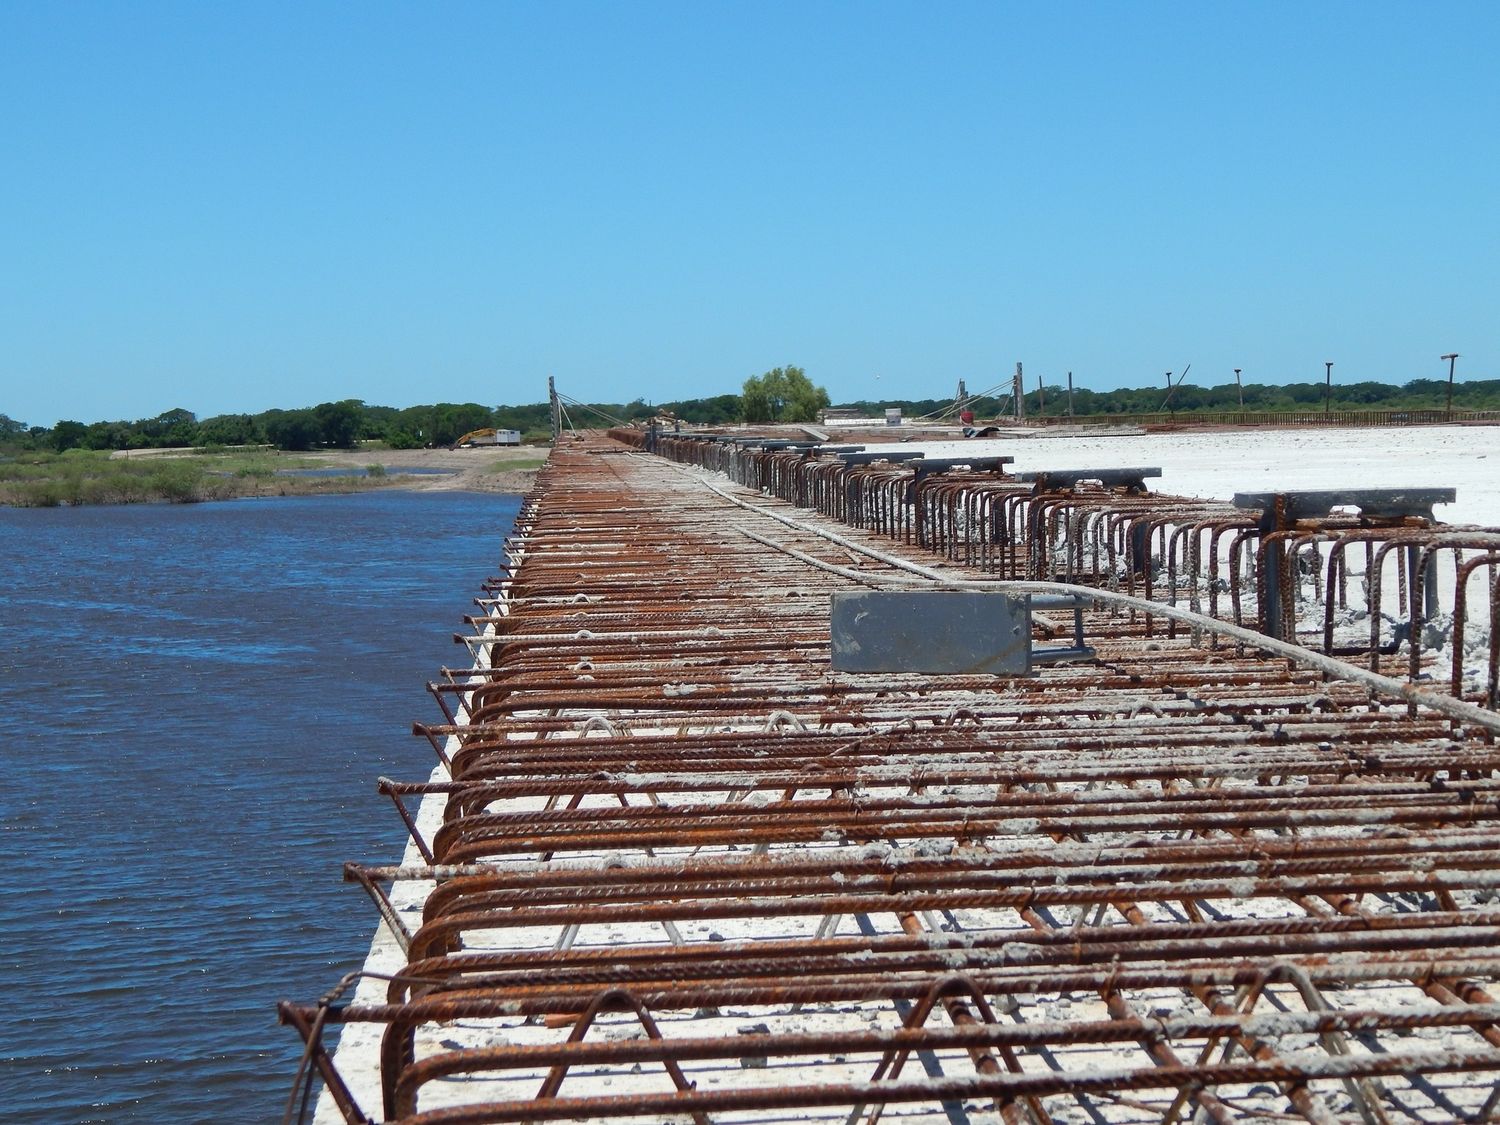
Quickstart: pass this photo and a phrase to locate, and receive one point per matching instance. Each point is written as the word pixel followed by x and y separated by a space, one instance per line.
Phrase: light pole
pixel 1239 387
pixel 1327 385
pixel 1451 357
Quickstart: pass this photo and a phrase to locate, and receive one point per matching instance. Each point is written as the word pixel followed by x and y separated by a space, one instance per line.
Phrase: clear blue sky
pixel 230 207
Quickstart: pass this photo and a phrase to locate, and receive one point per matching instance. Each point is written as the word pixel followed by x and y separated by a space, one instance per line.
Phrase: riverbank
pixel 45 480
pixel 509 470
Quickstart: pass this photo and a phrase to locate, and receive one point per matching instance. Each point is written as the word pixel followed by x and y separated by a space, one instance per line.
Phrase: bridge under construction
pixel 795 782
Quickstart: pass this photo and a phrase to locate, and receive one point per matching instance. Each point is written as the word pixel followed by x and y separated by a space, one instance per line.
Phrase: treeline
pixel 1052 400
pixel 329 425
pixel 344 424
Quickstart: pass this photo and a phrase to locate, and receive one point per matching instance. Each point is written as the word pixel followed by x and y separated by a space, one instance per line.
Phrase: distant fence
pixel 1279 418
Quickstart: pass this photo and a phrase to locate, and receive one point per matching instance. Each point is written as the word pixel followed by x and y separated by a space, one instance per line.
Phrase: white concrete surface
pixel 1219 464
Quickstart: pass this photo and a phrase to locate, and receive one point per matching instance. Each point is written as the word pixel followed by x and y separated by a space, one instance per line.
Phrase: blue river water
pixel 195 702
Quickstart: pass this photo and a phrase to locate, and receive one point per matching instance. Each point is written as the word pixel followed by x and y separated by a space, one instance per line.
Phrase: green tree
pixel 107 435
pixel 783 394
pixel 375 421
pixel 291 429
pixel 179 426
pixel 171 427
pixel 397 438
pixel 636 408
pixel 229 429
pixel 68 434
pixel 534 416
pixel 706 411
pixel 339 422
pixel 414 424
pixel 451 420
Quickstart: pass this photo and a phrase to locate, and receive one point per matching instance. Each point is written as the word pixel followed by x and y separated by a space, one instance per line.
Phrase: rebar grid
pixel 683 871
pixel 1111 533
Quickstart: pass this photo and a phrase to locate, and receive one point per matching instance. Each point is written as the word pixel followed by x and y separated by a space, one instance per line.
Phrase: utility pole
pixel 1018 393
pixel 1041 396
pixel 1166 403
pixel 553 408
pixel 1327 386
pixel 1070 394
pixel 1452 358
pixel 1239 387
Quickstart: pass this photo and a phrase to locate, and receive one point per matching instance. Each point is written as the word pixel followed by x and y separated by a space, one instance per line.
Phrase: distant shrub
pixel 50 493
pixel 376 470
pixel 176 480
pixel 402 439
pixel 217 486
pixel 114 488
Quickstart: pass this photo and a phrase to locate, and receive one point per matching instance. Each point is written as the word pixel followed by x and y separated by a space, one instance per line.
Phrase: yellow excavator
pixel 485 436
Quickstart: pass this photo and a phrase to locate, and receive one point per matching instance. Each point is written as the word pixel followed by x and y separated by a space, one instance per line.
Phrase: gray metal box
pixel 939 632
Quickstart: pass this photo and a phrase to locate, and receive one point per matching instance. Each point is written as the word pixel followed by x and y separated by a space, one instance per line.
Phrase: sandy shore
pixel 470 470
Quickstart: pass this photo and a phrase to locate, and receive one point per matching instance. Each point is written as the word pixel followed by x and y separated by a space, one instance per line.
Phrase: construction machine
pixel 484 436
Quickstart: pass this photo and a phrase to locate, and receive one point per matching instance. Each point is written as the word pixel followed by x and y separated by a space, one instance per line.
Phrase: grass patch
pixel 259 462
pixel 50 480
pixel 90 477
pixel 39 479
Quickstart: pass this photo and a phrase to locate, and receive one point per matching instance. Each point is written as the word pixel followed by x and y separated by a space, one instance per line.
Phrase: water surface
pixel 195 701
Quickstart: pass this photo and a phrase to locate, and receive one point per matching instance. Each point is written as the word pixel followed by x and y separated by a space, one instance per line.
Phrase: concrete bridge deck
pixel 674 867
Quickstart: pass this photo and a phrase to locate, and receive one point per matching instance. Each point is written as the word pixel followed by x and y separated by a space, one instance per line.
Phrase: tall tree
pixel 68 434
pixel 338 422
pixel 291 429
pixel 229 429
pixel 783 394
